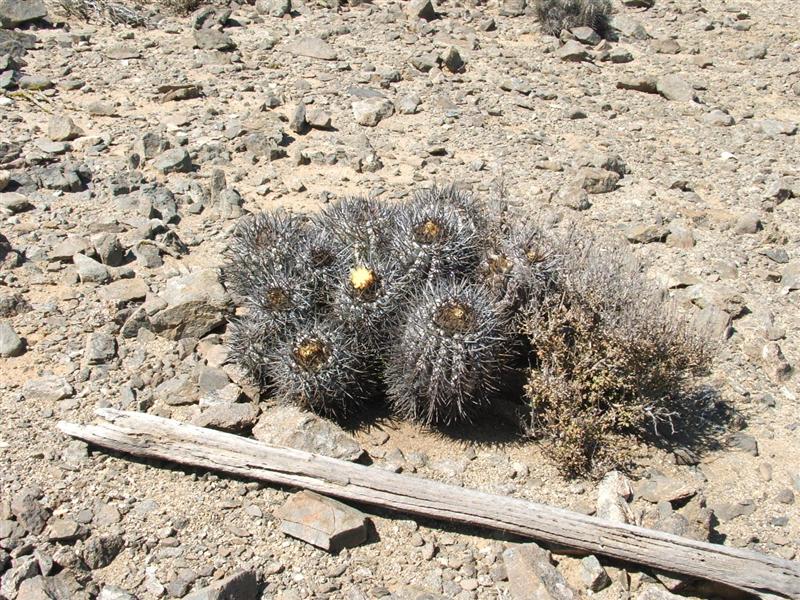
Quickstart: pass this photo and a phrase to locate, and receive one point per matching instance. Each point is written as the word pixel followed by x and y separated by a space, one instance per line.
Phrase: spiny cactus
pixel 556 16
pixel 519 265
pixel 450 353
pixel 362 227
pixel 439 235
pixel 366 297
pixel 263 244
pixel 323 368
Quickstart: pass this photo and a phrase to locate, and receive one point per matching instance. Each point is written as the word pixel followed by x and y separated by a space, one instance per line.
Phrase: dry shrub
pixel 182 7
pixel 558 15
pixel 612 360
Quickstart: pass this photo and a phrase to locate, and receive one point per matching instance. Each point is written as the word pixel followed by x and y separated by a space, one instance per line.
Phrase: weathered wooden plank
pixel 155 437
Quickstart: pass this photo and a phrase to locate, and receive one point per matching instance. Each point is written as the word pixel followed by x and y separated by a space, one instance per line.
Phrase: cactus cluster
pixel 434 304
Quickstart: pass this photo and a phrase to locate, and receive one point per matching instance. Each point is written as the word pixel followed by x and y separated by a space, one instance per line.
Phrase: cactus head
pixel 438 235
pixel 450 353
pixel 323 368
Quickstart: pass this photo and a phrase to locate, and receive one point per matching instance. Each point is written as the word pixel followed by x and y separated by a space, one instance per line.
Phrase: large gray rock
pixel 13 203
pixel 100 348
pixel 240 586
pixel 17 12
pixel 29 512
pixel 532 576
pixel 421 9
pixel 790 278
pixel 61 128
pixel 197 303
pixel 613 495
pixel 10 342
pixel 371 111
pixel 292 427
pixel 675 87
pixel 175 160
pixel 47 389
pixel 322 522
pixel 89 270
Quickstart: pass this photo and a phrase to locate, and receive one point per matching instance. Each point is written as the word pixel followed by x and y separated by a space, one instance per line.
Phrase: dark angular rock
pixel 240 586
pixel 16 12
pixel 322 522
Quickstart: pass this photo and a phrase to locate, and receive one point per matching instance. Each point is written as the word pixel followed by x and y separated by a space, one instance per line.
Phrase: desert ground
pixel 128 153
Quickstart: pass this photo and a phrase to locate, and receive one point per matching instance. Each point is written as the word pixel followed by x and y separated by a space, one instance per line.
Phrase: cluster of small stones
pixel 127 155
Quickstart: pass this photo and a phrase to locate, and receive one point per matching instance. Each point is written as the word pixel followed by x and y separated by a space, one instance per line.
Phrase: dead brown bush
pixel 612 360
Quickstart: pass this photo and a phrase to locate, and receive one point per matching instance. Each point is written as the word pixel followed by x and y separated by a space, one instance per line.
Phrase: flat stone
pixel 10 343
pixel 790 278
pixel 675 88
pixel 273 8
pixel 61 128
pixel 47 389
pixel 124 291
pixel 728 511
pixel 35 83
pixel 319 119
pixel 232 417
pixel 295 428
pixel 597 181
pixel 111 592
pixel 745 442
pixel 646 234
pixel 774 128
pixel 196 304
pixel 122 52
pixel 641 83
pixel 17 12
pixel 371 111
pixel 177 391
pixel 312 47
pixel 69 247
pixel 14 202
pixel 572 51
pixel 532 576
pixel 322 522
pixel 65 530
pixel 628 27
pixel 660 488
pixel 244 585
pixel 175 160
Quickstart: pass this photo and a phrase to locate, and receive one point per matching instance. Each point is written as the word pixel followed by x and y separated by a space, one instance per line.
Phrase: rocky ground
pixel 127 154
